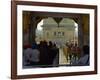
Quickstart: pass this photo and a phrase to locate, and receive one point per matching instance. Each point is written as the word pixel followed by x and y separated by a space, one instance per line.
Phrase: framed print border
pixel 14 35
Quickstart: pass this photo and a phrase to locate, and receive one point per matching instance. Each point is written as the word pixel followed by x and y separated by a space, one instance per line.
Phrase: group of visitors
pixel 72 51
pixel 76 55
pixel 46 54
pixel 42 54
pixel 84 60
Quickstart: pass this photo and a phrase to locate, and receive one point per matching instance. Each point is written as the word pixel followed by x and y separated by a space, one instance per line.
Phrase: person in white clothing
pixel 31 56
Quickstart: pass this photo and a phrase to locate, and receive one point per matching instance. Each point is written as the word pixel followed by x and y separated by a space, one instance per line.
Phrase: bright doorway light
pixel 39 26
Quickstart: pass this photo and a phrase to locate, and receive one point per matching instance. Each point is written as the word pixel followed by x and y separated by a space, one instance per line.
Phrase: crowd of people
pixel 84 59
pixel 46 54
pixel 42 54
pixel 72 51
pixel 76 55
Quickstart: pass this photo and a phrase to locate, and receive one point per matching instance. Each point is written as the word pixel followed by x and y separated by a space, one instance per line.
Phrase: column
pixel 80 33
pixel 32 28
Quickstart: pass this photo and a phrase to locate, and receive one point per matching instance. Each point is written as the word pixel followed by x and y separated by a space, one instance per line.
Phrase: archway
pixel 59 34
